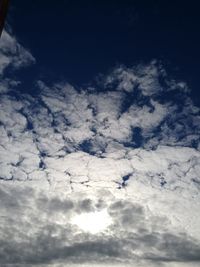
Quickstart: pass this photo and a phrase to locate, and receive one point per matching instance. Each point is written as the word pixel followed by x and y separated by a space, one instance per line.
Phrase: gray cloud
pixel 34 235
pixel 176 248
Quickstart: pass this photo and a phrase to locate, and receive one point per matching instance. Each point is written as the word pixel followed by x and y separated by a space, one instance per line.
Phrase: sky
pixel 100 134
pixel 76 40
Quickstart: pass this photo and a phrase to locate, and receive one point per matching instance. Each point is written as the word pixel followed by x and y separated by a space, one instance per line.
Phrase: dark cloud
pixel 127 214
pixel 177 248
pixel 14 198
pixel 54 204
pixel 85 205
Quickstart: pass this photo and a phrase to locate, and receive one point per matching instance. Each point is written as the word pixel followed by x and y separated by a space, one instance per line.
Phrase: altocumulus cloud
pixel 128 143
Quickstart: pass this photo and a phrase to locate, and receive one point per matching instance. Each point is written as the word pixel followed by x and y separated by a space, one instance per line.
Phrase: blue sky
pixel 77 40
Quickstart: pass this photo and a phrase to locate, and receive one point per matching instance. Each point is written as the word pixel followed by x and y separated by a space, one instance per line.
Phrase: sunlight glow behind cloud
pixel 93 222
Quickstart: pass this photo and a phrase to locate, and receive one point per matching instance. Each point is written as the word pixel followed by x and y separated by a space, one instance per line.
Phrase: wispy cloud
pixel 12 54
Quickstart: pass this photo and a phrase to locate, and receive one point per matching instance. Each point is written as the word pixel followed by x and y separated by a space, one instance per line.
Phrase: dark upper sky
pixel 76 40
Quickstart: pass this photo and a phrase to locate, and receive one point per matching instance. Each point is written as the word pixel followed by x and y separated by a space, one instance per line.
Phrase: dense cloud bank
pixel 128 143
pixel 39 232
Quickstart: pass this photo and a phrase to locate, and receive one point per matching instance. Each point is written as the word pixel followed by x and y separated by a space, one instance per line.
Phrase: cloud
pixel 12 54
pixel 38 231
pixel 149 79
pixel 129 144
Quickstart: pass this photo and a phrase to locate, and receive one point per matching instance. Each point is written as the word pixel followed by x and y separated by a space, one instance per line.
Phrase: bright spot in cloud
pixel 93 222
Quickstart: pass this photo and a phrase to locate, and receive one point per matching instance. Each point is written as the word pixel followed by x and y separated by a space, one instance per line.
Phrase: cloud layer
pixel 128 143
pixel 39 232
